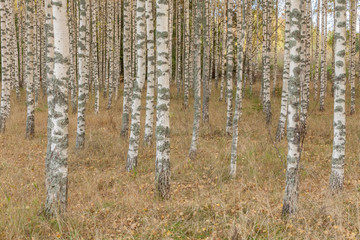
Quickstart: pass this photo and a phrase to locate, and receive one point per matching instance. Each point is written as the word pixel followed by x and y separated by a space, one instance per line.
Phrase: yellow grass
pixel 106 202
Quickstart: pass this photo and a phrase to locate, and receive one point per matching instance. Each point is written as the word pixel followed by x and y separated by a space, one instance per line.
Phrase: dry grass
pixel 106 202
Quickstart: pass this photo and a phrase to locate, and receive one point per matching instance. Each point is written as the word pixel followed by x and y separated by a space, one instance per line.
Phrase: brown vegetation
pixel 106 202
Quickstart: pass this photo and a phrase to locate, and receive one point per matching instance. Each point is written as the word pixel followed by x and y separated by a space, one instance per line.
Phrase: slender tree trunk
pixel 316 77
pixel 305 58
pixel 197 80
pixel 37 52
pixel 88 52
pixel 239 76
pixel 333 53
pixel 178 46
pixel 162 172
pixel 15 52
pixel 293 123
pixel 49 70
pixel 223 52
pixel 338 156
pixel 187 54
pixel 266 62
pixel 117 47
pixel 73 54
pixel 229 67
pixel 110 51
pixel 171 25
pixel 150 101
pixel 216 46
pixel 206 57
pixel 127 69
pixel 30 51
pixel 94 60
pixel 5 64
pixel 284 95
pixel 56 167
pixel 323 78
pixel 275 45
pixel 131 161
pixel 249 48
pixel 353 10
pixel 192 45
pixel 82 52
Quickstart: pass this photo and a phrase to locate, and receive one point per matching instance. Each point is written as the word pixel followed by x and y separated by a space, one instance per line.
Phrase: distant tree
pixel 266 61
pixel 275 45
pixel 187 54
pixel 127 69
pixel 316 76
pixel 206 63
pixel 151 68
pixel 229 67
pixel 241 28
pixel 284 94
pixel 323 78
pixel 83 73
pixel 197 80
pixel 223 50
pixel 5 63
pixel 353 11
pixel 30 101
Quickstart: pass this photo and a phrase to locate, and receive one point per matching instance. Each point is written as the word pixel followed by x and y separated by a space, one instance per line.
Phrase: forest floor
pixel 106 202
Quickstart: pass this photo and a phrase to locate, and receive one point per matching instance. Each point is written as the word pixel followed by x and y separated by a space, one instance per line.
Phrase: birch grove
pixel 228 81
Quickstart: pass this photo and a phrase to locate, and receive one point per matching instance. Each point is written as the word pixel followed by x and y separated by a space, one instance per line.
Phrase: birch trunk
pixel 5 64
pixel 82 52
pixel 293 126
pixel 239 76
pixel 30 51
pixel 131 161
pixel 127 69
pixel 150 100
pixel 162 172
pixel 197 81
pixel 284 95
pixel 56 167
pixel 229 67
pixel 338 156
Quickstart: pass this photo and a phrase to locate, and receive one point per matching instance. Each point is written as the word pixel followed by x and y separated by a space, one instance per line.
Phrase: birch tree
pixel 49 69
pixel 30 101
pixel 206 59
pixel 82 52
pixel 229 67
pixel 266 61
pixel 5 65
pixel 338 155
pixel 293 120
pixel 186 52
pixel 150 101
pixel 323 77
pixel 275 45
pixel 127 69
pixel 162 171
pixel 131 161
pixel 284 94
pixel 197 81
pixel 56 167
pixel 353 10
pixel 316 76
pixel 239 79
